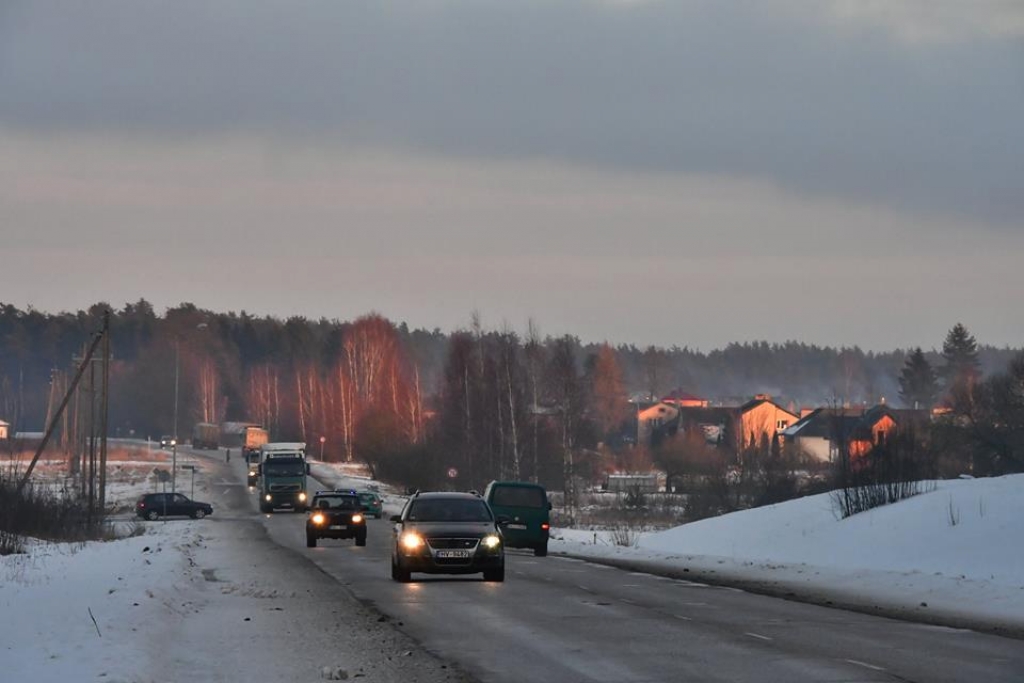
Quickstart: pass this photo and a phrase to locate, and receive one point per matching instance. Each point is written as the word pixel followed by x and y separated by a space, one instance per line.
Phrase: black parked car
pixel 335 514
pixel 447 533
pixel 156 505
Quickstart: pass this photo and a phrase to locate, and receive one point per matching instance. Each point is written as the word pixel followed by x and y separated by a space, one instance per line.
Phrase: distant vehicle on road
pixel 447 533
pixel 205 436
pixel 528 511
pixel 246 436
pixel 373 503
pixel 153 506
pixel 335 514
pixel 166 441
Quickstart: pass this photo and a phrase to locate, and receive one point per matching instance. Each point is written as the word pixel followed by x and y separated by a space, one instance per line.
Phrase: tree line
pixel 430 408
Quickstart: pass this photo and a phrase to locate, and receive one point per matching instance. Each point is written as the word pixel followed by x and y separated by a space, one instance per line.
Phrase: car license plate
pixel 517 526
pixel 452 554
pixel 338 527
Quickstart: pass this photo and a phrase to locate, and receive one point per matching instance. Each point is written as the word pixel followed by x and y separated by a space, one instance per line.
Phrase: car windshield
pixel 337 502
pixel 284 469
pixel 449 510
pixel 519 496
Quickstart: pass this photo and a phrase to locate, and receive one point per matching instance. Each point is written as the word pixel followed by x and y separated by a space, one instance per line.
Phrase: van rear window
pixel 519 497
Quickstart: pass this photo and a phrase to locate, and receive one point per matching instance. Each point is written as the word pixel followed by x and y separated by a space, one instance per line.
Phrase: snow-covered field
pixel 191 600
pixel 953 555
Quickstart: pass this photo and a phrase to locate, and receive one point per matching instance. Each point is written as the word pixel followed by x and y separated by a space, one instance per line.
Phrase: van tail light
pixel 545 526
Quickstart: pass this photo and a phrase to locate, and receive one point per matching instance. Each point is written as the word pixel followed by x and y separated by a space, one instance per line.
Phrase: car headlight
pixel 491 541
pixel 356 519
pixel 411 541
pixel 302 496
pixel 270 497
pixel 318 518
pixel 252 473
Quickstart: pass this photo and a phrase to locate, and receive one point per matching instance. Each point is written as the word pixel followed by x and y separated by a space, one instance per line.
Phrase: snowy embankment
pixel 954 555
pixel 192 600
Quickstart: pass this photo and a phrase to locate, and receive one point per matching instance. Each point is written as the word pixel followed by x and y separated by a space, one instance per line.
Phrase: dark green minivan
pixel 523 509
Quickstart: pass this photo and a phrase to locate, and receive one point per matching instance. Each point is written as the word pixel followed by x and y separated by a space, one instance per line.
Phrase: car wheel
pixel 310 541
pixel 495 575
pixel 152 515
pixel 398 573
pixel 198 514
pixel 361 540
pixel 541 550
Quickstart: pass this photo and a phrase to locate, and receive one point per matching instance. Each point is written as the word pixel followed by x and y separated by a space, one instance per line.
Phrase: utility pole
pixel 174 439
pixel 104 410
pixel 97 337
pixel 92 440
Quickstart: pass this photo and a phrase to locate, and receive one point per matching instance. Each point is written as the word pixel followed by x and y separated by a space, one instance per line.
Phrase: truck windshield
pixel 284 469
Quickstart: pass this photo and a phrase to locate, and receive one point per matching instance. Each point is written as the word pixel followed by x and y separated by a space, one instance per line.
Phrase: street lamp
pixel 322 440
pixel 174 438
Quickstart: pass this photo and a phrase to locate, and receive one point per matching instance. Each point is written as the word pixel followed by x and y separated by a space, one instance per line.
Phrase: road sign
pixel 452 473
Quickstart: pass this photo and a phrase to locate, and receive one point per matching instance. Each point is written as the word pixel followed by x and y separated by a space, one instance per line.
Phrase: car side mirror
pixel 503 520
pixel 396 518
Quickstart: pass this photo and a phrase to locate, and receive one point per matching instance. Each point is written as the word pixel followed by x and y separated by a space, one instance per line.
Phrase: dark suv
pixel 156 505
pixel 447 533
pixel 335 514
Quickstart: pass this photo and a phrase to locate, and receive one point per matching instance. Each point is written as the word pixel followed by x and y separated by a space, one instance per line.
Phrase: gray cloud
pixel 811 102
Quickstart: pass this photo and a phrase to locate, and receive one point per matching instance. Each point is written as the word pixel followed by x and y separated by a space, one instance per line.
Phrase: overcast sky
pixel 843 172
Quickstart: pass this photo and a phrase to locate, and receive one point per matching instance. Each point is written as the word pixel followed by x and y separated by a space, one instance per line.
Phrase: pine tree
pixel 961 353
pixel 918 382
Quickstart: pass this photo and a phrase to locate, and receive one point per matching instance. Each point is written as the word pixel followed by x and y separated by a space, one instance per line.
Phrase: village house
pixel 822 433
pixel 682 399
pixel 4 429
pixel 761 419
pixel 755 421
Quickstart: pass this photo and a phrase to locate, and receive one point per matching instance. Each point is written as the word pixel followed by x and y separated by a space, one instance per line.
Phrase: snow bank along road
pixel 207 600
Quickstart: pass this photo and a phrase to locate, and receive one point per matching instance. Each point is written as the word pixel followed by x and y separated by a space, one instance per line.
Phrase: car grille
pixel 453 543
pixel 284 487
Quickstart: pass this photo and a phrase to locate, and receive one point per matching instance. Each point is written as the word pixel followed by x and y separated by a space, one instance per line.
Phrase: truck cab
pixel 282 473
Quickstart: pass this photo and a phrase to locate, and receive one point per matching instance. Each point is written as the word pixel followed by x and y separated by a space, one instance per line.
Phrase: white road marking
pixel 680 616
pixel 865 665
pixel 628 602
pixel 757 635
pixel 584 588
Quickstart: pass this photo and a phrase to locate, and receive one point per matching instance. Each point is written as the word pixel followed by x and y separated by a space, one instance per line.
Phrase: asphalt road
pixel 565 620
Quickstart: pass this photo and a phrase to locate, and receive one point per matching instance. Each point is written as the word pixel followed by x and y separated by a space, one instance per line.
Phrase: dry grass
pixel 123 463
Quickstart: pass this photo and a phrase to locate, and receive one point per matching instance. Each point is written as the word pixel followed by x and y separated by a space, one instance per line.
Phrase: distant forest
pixel 309 378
